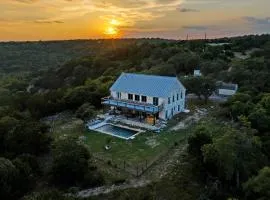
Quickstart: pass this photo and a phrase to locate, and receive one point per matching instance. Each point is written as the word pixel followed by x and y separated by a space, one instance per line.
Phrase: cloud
pixel 26 1
pixel 48 22
pixel 185 10
pixel 197 28
pixel 257 21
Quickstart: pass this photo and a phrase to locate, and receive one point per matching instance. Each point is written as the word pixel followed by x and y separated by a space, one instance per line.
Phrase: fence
pixel 139 168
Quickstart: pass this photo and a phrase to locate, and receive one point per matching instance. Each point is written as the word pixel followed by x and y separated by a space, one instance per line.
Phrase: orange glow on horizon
pixel 111 31
pixel 112 28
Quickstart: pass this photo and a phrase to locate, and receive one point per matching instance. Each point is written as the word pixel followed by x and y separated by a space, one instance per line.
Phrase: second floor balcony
pixel 132 105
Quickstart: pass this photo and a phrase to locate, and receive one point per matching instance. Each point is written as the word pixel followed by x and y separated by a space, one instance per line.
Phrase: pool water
pixel 117 131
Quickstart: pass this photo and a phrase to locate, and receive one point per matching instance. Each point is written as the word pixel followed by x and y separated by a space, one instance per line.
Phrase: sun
pixel 115 22
pixel 112 28
pixel 111 31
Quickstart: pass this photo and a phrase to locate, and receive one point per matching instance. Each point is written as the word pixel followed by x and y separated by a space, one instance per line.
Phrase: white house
pixel 226 89
pixel 146 96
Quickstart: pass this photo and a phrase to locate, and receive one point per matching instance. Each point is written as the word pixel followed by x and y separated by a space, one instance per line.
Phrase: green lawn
pixel 145 148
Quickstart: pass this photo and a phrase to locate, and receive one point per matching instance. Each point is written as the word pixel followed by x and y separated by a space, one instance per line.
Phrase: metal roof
pixel 148 85
pixel 227 86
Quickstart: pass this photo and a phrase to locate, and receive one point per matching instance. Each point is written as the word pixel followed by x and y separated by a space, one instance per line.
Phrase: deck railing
pixel 134 105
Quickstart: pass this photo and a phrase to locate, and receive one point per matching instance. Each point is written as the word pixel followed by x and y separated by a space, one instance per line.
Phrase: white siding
pixel 166 107
pixel 172 108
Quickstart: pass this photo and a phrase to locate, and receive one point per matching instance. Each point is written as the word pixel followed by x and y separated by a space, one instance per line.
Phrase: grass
pixel 141 152
pixel 145 147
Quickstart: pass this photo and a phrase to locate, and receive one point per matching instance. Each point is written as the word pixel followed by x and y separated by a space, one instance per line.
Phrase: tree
pixel 193 85
pixel 27 137
pixel 8 176
pixel 260 119
pixel 207 88
pixel 6 124
pixel 234 156
pixel 85 112
pixel 70 162
pixel 258 187
pixel 25 179
pixel 200 137
pixel 201 86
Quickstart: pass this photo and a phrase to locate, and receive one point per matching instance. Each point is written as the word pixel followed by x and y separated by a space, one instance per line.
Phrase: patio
pixel 135 122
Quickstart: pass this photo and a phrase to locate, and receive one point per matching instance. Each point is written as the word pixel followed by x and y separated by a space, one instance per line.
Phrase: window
pixel 166 114
pixel 177 97
pixel 119 95
pixel 181 95
pixel 169 100
pixel 173 98
pixel 155 101
pixel 137 97
pixel 130 96
pixel 144 99
pixel 178 108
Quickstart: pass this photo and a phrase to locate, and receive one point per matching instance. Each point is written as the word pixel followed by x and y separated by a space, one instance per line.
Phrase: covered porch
pixel 137 111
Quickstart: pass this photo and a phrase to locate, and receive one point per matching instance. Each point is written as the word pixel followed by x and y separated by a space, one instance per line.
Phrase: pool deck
pixel 96 126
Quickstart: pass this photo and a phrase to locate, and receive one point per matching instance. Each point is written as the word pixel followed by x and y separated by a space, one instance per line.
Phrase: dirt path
pixel 158 170
pixel 135 183
pixel 189 120
pixel 165 164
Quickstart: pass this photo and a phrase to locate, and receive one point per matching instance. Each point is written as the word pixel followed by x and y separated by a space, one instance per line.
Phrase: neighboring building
pixel 197 72
pixel 147 97
pixel 226 89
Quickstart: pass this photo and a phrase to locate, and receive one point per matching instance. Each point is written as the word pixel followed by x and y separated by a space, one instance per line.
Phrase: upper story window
pixel 178 108
pixel 177 97
pixel 130 96
pixel 119 95
pixel 144 99
pixel 137 97
pixel 173 98
pixel 155 101
pixel 169 100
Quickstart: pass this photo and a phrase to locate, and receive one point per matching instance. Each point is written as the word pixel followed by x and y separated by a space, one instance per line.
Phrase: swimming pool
pixel 121 132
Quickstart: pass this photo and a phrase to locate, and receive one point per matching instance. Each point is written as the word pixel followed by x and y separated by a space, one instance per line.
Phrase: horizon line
pixel 132 38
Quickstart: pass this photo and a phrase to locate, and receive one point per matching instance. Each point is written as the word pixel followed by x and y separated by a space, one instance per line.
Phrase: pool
pixel 118 131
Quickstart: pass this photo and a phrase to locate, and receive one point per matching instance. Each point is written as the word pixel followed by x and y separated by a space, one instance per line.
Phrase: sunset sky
pixel 81 19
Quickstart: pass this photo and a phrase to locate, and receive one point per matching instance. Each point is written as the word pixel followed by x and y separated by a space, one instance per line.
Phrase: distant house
pixel 147 97
pixel 226 89
pixel 197 72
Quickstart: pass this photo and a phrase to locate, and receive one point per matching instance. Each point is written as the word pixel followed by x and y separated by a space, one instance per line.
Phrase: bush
pixel 70 162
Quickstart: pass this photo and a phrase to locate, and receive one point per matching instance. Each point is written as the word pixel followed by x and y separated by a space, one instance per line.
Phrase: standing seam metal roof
pixel 148 85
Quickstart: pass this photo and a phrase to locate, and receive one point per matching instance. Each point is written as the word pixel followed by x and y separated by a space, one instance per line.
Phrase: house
pixel 197 72
pixel 147 97
pixel 226 89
